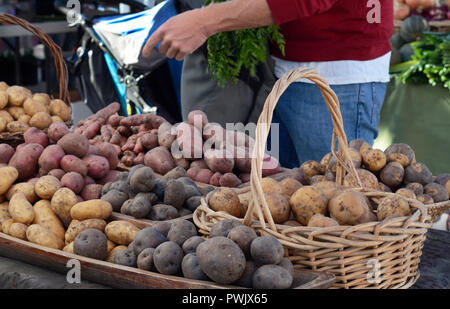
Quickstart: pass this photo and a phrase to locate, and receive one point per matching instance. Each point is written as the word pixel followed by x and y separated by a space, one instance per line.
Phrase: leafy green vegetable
pixel 431 61
pixel 230 52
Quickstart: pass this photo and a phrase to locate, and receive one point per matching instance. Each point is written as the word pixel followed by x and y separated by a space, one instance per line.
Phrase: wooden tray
pixel 118 276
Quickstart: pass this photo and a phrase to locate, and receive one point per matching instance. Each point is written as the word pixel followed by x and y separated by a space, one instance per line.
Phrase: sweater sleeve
pixel 284 11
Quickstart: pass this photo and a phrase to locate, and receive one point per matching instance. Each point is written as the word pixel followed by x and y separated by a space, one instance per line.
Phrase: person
pixel 345 41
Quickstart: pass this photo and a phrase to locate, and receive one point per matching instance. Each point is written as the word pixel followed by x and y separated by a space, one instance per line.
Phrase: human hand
pixel 179 36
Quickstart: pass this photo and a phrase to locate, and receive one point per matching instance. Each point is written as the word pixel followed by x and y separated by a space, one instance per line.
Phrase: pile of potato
pixel 139 193
pixel 20 109
pixel 67 156
pixel 311 197
pixel 151 140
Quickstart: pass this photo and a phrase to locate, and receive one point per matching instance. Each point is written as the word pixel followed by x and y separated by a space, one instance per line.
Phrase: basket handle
pixel 60 64
pixel 344 165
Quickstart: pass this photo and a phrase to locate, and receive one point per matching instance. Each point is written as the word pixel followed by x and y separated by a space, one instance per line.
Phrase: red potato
pixel 109 152
pixel 97 166
pixel 204 176
pixel 115 138
pixel 34 135
pixel 243 159
pixel 58 173
pixel 138 147
pixel 74 144
pixel 117 148
pixel 145 127
pixel 215 179
pixel 79 199
pixel 108 111
pixel 91 192
pixel 192 172
pixel 134 120
pixel 106 133
pixel 214 135
pixel 124 131
pixel 71 163
pixel 3 164
pixel 92 129
pixel 50 159
pixel 199 164
pixel 229 180
pixel 88 180
pixel 139 159
pixel 270 166
pixel 93 149
pixel 156 121
pixel 123 141
pixel 165 135
pixel 73 181
pixel 182 162
pixel 244 177
pixel 6 152
pixel 114 120
pixel 160 160
pixel 130 144
pixel 190 140
pixel 110 177
pixel 219 161
pixel 25 160
pixel 33 180
pixel 128 158
pixel 198 119
pixel 149 141
pixel 57 130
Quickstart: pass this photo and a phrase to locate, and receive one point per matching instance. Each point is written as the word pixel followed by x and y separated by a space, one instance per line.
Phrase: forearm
pixel 235 15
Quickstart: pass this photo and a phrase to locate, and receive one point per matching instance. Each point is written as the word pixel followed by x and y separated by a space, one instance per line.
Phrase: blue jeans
pixel 305 122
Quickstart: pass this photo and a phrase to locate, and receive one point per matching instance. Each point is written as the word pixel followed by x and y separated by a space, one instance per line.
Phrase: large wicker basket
pixel 62 74
pixel 371 255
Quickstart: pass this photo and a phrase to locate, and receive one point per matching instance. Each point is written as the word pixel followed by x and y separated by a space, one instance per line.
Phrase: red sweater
pixel 327 30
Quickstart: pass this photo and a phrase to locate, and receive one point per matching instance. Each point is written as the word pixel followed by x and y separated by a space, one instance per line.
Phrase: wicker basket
pixel 371 255
pixel 62 74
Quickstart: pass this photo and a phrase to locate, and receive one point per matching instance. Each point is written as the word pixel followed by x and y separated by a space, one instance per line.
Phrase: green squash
pixel 396 58
pixel 406 52
pixel 413 27
pixel 397 41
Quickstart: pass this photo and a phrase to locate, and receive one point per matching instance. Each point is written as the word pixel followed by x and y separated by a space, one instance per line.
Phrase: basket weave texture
pixel 377 254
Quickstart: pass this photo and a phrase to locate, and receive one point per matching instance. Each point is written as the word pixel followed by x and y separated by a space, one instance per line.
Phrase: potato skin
pixel 306 202
pixel 121 232
pixel 74 229
pixel 62 202
pixel 290 185
pixel 350 208
pixel 160 160
pixel 374 160
pixel 392 174
pixel 93 209
pixel 34 135
pixel 6 152
pixel 114 252
pixel 8 175
pixel 91 192
pixel 368 180
pixel 278 206
pixel 20 209
pixel 18 230
pixel 71 163
pixel 270 185
pixel 167 258
pixel 41 120
pixel 26 188
pixel 225 199
pixel 319 220
pixel 57 130
pixel 45 217
pixel 73 181
pixel 391 207
pixel 74 144
pixel 221 259
pixel 91 243
pixel 46 187
pixel 272 277
pixel 59 108
pixel 98 166
pixel 17 127
pixel 266 250
pixel 50 159
pixel 25 160
pixel 42 236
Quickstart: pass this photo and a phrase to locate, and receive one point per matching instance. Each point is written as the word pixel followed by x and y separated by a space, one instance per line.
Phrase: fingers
pixel 172 52
pixel 152 42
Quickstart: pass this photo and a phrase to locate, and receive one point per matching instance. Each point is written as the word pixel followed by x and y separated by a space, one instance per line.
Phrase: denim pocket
pixel 378 94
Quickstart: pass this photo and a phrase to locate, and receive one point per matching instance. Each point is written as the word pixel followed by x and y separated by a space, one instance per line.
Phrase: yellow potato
pixel 8 176
pixel 93 209
pixel 17 95
pixel 42 98
pixel 4 212
pixel 43 236
pixel 391 207
pixel 20 209
pixel 290 185
pixel 121 232
pixel 26 188
pixel 114 252
pixel 74 229
pixel 18 230
pixel 3 86
pixel 62 201
pixel 2 125
pixel 319 220
pixel 24 119
pixel 17 127
pixel 6 116
pixel 16 111
pixel 69 248
pixel 306 202
pixel 56 119
pixel 45 217
pixel 6 225
pixel 278 206
pixel 270 185
pixel 3 99
pixel 350 208
pixel 329 188
pixel 46 187
pixel 59 108
pixel 41 120
pixel 111 246
pixel 31 107
pixel 225 199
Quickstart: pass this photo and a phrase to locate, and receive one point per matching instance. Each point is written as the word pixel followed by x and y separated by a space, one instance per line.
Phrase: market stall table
pixel 434 269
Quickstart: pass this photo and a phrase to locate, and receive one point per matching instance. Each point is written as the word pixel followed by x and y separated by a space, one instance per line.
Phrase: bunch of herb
pixel 430 62
pixel 230 52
